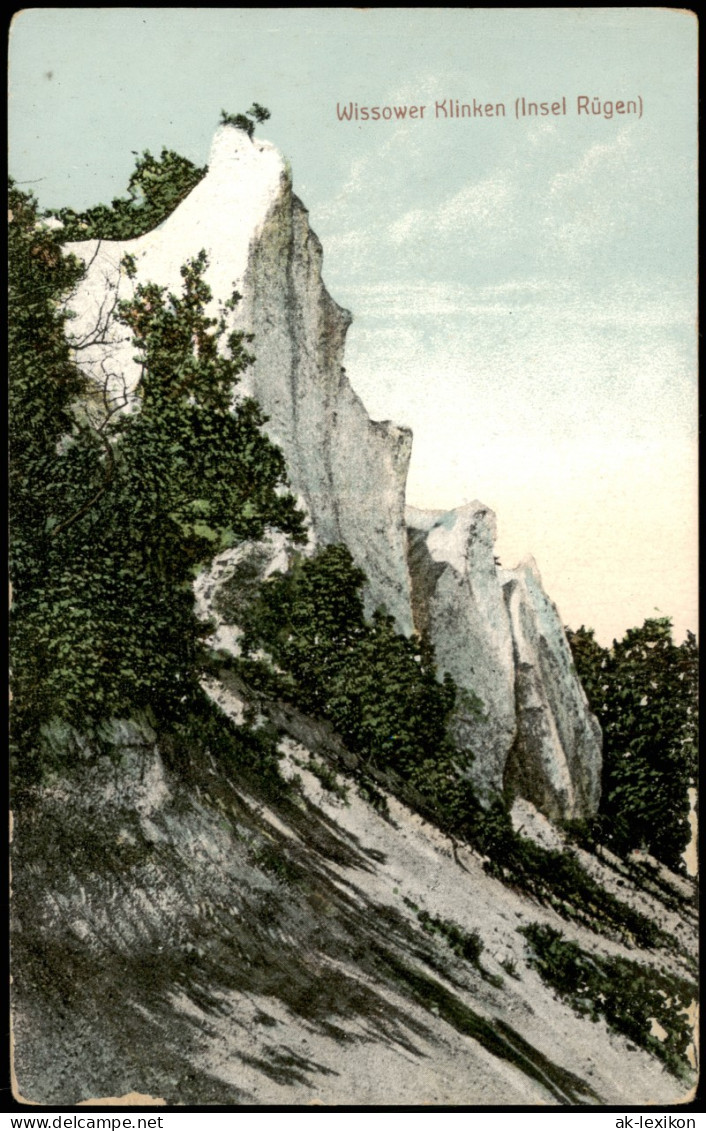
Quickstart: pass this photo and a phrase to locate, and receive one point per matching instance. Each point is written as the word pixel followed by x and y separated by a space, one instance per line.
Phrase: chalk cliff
pixel 521 711
pixel 458 601
pixel 217 913
pixel 556 759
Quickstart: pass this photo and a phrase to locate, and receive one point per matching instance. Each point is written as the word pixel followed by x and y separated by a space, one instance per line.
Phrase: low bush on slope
pixel 379 691
pixel 377 687
pixel 556 878
pixel 647 1005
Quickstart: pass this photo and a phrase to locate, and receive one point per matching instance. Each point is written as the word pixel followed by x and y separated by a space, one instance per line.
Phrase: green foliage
pixel 644 693
pixel 233 599
pixel 156 186
pixel 374 797
pixel 43 384
pixel 309 621
pixel 43 380
pixel 628 995
pixel 465 944
pixel 202 737
pixel 377 687
pixel 110 521
pixel 556 878
pixel 328 778
pixel 246 121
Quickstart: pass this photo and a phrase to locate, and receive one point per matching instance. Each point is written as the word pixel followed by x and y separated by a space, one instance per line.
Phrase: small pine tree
pixel 246 121
pixel 258 112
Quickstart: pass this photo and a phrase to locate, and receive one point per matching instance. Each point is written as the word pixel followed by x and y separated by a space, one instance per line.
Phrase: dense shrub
pixel 377 687
pixel 111 517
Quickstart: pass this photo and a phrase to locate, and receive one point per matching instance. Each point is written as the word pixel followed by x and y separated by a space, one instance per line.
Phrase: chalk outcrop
pixel 458 601
pixel 521 711
pixel 556 759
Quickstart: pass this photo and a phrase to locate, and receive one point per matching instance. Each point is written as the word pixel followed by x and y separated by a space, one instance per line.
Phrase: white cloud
pixel 601 161
pixel 412 221
pixel 486 204
pixel 482 206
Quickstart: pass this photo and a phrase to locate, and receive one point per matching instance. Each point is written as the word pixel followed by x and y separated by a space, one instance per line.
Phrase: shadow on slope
pixel 176 917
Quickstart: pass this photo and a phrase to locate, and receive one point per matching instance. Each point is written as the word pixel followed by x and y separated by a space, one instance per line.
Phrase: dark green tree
pixel 643 691
pixel 377 687
pixel 43 385
pixel 311 621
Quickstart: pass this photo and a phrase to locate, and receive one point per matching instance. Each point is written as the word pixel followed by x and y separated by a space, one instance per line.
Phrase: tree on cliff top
pixel 246 121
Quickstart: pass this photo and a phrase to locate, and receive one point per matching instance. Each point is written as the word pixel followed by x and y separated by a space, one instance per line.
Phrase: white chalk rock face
pixel 349 471
pixel 556 761
pixel 458 601
pixel 500 637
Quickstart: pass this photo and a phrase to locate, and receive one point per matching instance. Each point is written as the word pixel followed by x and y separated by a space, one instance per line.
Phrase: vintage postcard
pixel 353 557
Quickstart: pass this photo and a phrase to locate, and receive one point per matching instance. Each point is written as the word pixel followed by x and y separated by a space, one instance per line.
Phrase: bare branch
pixel 99 334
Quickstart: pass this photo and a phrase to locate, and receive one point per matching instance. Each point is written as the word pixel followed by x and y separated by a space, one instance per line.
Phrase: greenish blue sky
pixel 523 291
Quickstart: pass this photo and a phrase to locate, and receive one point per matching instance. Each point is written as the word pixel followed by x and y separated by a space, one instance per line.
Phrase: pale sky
pixel 523 290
